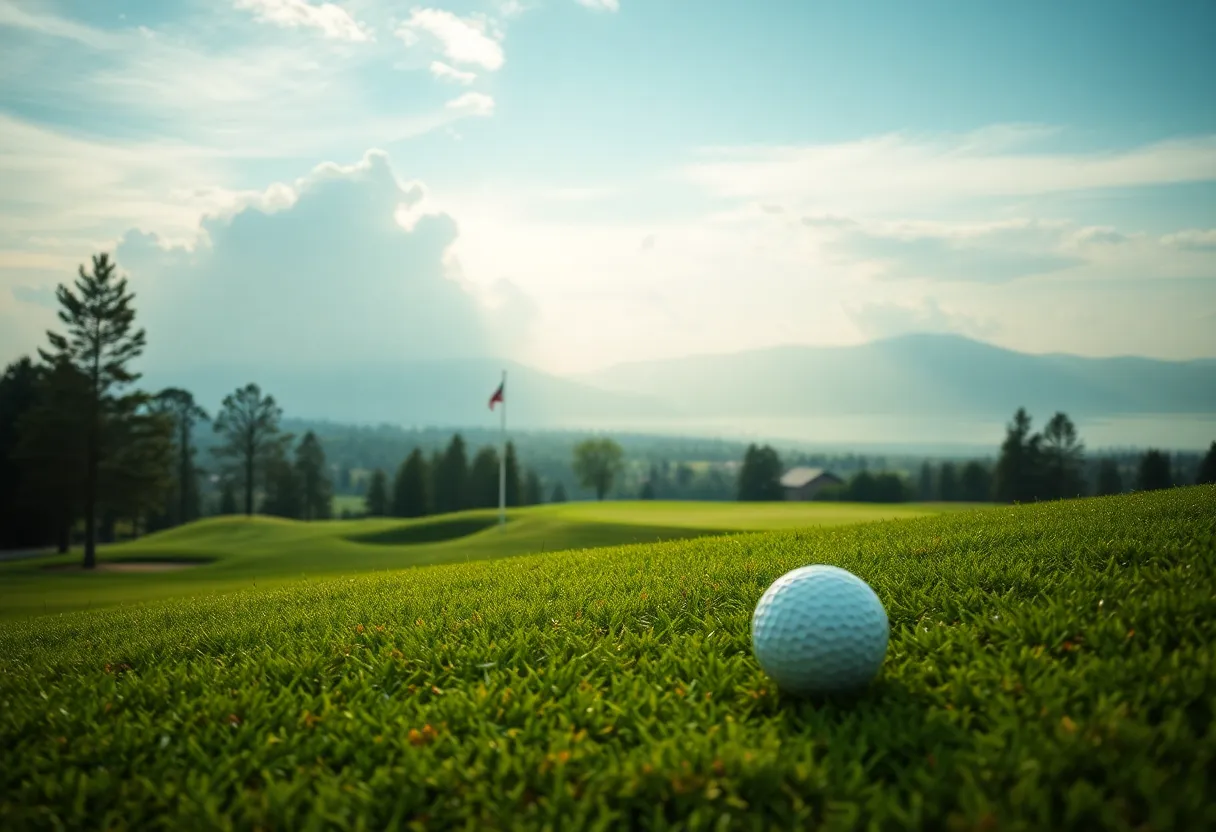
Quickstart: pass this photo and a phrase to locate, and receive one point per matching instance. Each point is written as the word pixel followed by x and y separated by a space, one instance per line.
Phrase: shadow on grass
pixel 150 563
pixel 437 532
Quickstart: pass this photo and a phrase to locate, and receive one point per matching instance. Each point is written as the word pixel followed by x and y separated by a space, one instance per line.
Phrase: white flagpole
pixel 502 458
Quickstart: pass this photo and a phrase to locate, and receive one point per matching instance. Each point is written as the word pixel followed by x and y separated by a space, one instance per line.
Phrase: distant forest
pixel 84 452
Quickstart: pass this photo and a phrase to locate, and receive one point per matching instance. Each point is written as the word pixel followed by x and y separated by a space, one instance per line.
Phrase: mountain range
pixel 915 377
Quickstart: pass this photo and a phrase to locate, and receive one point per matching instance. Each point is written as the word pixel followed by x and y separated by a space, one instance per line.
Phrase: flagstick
pixel 502 459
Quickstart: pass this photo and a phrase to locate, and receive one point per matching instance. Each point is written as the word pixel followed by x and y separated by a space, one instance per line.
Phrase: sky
pixel 578 183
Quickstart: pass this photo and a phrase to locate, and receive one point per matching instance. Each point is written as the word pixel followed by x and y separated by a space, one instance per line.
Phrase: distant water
pixel 894 433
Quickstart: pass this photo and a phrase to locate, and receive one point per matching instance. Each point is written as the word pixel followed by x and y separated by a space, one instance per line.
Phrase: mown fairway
pixel 1050 667
pixel 235 552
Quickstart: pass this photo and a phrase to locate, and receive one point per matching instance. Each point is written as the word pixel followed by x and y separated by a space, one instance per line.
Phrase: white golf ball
pixel 820 629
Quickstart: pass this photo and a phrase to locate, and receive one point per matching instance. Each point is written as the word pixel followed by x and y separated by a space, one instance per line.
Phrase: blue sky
pixel 573 184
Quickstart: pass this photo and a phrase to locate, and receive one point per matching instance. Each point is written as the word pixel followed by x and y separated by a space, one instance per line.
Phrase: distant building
pixel 805 483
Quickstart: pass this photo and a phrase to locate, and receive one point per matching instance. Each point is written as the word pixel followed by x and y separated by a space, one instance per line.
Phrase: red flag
pixel 497 397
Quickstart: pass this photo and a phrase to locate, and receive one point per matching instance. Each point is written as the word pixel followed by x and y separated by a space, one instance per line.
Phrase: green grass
pixel 266 551
pixel 1050 667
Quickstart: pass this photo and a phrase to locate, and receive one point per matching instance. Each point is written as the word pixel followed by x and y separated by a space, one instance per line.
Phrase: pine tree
pixel 513 485
pixel 532 489
pixel 283 495
pixel 482 484
pixel 377 495
pixel 411 489
pixel 975 482
pixel 924 487
pixel 1207 468
pixel 249 422
pixel 100 344
pixel 451 478
pixel 180 406
pixel 1016 477
pixel 25 520
pixel 227 497
pixel 1062 459
pixel 1154 472
pixel 316 490
pixel 1109 480
pixel 559 493
pixel 947 483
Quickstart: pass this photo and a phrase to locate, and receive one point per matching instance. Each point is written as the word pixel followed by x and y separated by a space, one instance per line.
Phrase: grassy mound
pixel 244 552
pixel 1050 667
pixel 435 531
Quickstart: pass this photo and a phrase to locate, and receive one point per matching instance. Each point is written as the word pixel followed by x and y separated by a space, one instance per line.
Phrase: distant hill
pixel 915 375
pixel 910 390
pixel 435 393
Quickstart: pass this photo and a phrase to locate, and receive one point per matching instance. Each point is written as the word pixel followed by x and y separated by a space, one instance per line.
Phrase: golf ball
pixel 820 629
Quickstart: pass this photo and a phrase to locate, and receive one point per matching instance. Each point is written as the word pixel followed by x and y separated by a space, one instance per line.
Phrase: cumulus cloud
pixel 450 73
pixel 330 279
pixel 330 20
pixel 464 40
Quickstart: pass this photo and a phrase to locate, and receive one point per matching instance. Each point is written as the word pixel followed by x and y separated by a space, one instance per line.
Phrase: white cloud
pixel 601 5
pixel 1193 238
pixel 329 19
pixel 472 104
pixel 56 27
pixel 899 172
pixel 464 40
pixel 449 73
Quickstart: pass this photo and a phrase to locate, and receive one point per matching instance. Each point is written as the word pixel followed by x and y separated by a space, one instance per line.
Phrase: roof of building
pixel 798 477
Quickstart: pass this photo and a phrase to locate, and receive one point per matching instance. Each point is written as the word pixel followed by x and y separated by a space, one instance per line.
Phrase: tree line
pixel 80 444
pixel 449 481
pixel 1045 465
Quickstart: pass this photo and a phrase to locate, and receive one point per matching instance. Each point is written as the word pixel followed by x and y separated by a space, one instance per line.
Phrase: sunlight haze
pixel 572 185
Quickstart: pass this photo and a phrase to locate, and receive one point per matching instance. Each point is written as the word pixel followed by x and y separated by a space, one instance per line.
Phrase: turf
pixel 1050 667
pixel 263 551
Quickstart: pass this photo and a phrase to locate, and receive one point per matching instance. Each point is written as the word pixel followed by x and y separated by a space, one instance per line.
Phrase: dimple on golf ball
pixel 820 629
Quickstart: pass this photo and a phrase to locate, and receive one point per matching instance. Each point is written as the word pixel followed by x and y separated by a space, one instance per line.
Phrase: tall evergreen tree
pixel 532 489
pixel 1061 460
pixel 316 489
pixel 283 495
pixel 249 423
pixel 1109 480
pixel 451 478
pixel 947 483
pixel 1017 468
pixel 180 406
pixel 100 343
pixel 25 521
pixel 411 487
pixel 924 485
pixel 482 484
pixel 227 496
pixel 975 482
pixel 1207 468
pixel 1154 472
pixel 513 484
pixel 377 495
pixel 559 493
